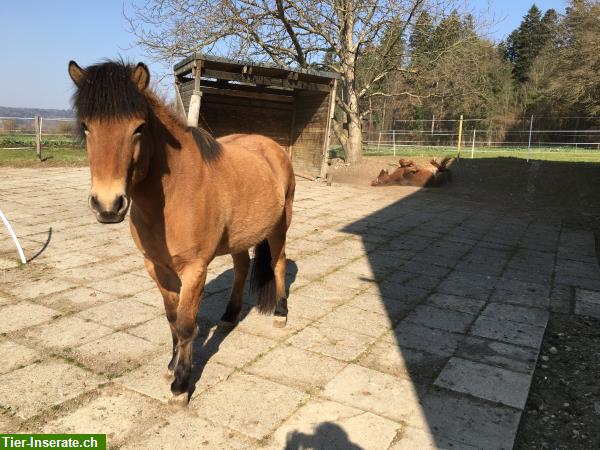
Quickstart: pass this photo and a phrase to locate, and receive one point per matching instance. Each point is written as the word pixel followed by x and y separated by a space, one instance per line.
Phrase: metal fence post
pixel 460 130
pixel 529 144
pixel 473 143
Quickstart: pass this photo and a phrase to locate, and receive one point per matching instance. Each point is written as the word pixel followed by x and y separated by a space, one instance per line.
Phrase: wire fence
pixel 24 133
pixel 544 135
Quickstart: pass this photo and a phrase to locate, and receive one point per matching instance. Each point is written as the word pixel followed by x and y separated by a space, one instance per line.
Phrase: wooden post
pixel 529 144
pixel 330 115
pixel 432 123
pixel 473 143
pixel 460 128
pixel 394 138
pixel 38 136
pixel 194 108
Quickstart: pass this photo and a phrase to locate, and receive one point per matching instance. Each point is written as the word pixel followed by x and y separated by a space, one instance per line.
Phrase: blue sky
pixel 39 37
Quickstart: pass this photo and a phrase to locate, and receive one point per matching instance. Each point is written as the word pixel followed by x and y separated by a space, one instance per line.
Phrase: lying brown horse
pixel 409 174
pixel 192 198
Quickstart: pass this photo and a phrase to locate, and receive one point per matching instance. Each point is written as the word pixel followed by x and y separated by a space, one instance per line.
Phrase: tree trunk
pixel 353 146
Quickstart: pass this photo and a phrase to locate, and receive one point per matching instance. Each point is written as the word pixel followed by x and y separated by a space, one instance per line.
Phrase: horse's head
pixel 113 111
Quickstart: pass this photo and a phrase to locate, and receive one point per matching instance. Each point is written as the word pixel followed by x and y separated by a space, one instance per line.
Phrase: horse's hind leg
pixel 241 264
pixel 278 262
pixel 168 285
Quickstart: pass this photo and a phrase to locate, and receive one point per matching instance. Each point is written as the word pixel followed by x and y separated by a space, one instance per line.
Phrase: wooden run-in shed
pixel 292 106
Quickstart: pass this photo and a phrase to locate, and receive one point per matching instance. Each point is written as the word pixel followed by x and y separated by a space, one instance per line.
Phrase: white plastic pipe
pixel 14 237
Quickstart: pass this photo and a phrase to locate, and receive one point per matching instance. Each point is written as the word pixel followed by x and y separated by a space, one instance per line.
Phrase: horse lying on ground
pixel 409 174
pixel 192 198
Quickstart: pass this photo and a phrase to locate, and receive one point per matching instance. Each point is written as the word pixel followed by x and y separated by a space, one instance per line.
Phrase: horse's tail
pixel 262 279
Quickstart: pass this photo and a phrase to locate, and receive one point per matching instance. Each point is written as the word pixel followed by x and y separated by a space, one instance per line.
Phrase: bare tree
pixel 336 35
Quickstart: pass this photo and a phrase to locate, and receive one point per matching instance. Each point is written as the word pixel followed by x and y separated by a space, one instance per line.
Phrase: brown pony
pixel 191 198
pixel 409 174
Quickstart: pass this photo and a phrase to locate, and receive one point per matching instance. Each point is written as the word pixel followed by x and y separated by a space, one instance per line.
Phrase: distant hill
pixel 7 111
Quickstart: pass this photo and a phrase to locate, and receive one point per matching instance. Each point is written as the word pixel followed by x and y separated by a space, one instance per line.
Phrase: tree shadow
pixel 327 436
pixel 206 344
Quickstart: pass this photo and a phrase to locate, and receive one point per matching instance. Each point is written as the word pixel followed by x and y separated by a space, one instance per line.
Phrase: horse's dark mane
pixel 108 92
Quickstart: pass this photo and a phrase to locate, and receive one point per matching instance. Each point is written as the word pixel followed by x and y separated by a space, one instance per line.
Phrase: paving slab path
pixel 415 322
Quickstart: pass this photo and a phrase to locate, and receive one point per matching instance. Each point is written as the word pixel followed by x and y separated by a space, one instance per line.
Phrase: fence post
pixel 529 144
pixel 394 139
pixel 473 143
pixel 378 141
pixel 432 123
pixel 460 128
pixel 38 136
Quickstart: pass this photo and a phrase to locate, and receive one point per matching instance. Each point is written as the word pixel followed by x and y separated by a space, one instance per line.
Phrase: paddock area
pixel 416 321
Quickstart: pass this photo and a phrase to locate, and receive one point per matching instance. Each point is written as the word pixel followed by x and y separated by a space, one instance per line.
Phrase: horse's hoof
pixel 179 401
pixel 279 321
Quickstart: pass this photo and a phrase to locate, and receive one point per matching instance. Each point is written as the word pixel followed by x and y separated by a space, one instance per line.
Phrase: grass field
pixel 52 157
pixel 543 154
pixel 28 140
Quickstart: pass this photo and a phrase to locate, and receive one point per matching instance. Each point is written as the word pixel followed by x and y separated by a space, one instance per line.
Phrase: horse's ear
pixel 141 76
pixel 77 73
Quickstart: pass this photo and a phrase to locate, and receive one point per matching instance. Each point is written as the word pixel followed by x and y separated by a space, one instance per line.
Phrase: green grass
pixel 20 140
pixel 26 157
pixel 544 154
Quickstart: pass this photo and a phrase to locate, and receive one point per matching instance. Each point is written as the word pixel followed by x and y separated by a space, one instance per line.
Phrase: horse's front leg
pixel 193 277
pixel 169 285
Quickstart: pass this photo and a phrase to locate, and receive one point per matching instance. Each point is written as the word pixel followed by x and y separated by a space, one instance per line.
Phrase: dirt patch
pixel 563 408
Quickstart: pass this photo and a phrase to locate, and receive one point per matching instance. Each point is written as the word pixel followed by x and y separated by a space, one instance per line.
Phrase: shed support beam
pixel 194 109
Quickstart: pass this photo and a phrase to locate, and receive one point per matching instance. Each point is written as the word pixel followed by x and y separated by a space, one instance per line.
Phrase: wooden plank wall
pixel 222 114
pixel 310 131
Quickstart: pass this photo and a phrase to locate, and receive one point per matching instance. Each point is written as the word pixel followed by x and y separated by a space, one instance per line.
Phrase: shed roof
pixel 218 63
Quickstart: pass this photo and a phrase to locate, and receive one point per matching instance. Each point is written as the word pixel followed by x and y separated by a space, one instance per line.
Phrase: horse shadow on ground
pixel 207 344
pixel 327 436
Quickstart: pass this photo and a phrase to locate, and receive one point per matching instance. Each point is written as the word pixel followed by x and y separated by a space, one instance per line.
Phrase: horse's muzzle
pixel 114 212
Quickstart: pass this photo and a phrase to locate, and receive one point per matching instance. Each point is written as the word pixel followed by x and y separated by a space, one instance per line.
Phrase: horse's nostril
pixel 93 202
pixel 118 204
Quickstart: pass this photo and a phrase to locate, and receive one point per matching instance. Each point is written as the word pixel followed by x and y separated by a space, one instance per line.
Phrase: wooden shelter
pixel 292 106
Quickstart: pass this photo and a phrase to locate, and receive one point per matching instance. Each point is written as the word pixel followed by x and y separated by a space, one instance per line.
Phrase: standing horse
pixel 191 198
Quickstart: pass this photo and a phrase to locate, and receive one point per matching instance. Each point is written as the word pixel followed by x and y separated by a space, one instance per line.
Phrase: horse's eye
pixel 84 128
pixel 139 129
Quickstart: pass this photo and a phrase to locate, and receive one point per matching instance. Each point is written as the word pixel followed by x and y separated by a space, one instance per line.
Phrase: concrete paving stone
pixel 74 259
pixel 391 308
pixel 150 297
pixel 233 349
pixel 15 356
pixel 336 342
pixel 587 309
pixel 262 325
pixel 36 288
pixel 358 320
pixel 587 296
pixel 501 354
pixel 23 315
pixel 414 438
pixel 77 299
pixel 420 367
pixel 123 285
pixel 510 332
pixel 484 381
pixel 313 268
pixel 322 424
pixel 419 337
pixel 522 298
pixel 115 353
pixel 256 406
pixel 531 316
pixel 121 314
pixel 307 307
pixel 150 378
pixel 94 273
pixel 327 292
pixel 592 284
pixel 399 292
pixel 464 284
pixel 470 421
pixel 156 330
pixel 119 415
pixel 444 319
pixel 425 269
pixel 65 333
pixel 527 275
pixel 185 431
pixel 560 298
pixel 26 393
pixel 349 280
pixel 455 303
pixel 295 367
pixel 374 391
